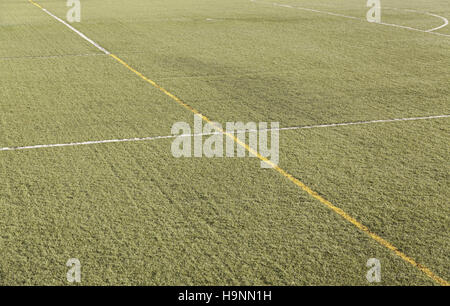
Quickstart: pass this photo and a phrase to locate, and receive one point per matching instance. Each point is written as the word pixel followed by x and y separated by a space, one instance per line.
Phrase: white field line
pixel 360 19
pixel 72 144
pixel 76 31
pixel 426 13
pixel 440 27
pixel 281 171
pixel 213 133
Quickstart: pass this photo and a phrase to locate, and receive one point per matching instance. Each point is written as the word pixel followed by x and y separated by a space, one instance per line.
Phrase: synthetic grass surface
pixel 133 214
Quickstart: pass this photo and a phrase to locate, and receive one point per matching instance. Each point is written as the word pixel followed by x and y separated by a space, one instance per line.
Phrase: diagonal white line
pixel 72 144
pixel 213 133
pixel 73 29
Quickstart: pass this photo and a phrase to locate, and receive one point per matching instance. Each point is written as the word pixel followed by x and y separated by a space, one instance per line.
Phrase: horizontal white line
pixel 313 10
pixel 364 122
pixel 72 144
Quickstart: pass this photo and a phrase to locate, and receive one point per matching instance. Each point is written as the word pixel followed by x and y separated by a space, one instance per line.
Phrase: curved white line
pixel 440 27
pixel 426 13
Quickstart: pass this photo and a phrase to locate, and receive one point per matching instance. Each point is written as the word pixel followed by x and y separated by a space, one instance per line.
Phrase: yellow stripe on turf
pixel 289 176
pixel 35 4
pixel 294 180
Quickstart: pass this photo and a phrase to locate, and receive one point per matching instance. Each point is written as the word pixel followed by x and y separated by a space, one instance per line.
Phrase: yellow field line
pixel 294 180
pixel 35 4
pixel 290 177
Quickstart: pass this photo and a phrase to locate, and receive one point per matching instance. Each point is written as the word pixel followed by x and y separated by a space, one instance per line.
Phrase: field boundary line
pixel 284 173
pixel 431 31
pixel 149 138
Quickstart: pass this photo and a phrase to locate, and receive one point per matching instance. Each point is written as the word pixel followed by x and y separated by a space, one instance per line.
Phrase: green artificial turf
pixel 135 215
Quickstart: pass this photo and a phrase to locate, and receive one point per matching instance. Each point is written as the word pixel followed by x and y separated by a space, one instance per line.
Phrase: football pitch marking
pixel 150 138
pixel 426 13
pixel 431 31
pixel 284 173
pixel 440 27
pixel 72 28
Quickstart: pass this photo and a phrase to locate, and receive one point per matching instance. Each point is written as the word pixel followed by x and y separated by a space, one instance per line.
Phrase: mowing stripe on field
pixel 149 138
pixel 284 173
pixel 431 31
pixel 50 56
